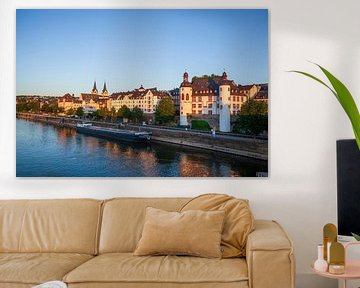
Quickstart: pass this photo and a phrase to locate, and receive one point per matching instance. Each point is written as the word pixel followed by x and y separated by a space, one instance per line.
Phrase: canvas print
pixel 142 93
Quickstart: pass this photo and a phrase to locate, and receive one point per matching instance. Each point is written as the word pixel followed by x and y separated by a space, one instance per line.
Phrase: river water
pixel 44 150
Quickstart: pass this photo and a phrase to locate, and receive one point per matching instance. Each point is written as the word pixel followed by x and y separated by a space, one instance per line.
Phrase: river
pixel 43 150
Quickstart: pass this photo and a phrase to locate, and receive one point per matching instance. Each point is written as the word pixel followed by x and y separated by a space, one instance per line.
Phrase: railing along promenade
pixel 238 144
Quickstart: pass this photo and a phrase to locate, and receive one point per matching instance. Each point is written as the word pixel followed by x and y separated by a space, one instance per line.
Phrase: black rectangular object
pixel 348 187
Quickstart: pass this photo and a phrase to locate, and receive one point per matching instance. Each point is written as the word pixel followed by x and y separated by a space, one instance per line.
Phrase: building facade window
pixel 187 97
pixel 182 96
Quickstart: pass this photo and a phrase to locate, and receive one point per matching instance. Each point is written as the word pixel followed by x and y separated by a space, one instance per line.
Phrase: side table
pixel 352 268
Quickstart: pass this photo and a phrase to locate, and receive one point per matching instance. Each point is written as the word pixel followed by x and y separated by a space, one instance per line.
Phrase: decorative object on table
pixel 329 236
pixel 337 258
pixel 344 97
pixel 341 266
pixel 52 284
pixel 320 264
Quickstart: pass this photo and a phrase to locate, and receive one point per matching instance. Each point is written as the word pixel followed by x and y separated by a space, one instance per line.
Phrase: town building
pixel 68 102
pixel 175 96
pixel 145 99
pixel 215 95
pixel 94 100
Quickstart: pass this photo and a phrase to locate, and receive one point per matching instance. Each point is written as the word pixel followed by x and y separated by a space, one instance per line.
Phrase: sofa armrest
pixel 269 256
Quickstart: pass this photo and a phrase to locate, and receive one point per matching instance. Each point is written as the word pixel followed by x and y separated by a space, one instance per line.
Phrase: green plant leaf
pixel 347 101
pixel 356 236
pixel 344 97
pixel 316 79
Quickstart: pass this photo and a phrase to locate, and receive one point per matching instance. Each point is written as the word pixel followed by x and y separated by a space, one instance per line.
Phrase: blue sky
pixel 61 51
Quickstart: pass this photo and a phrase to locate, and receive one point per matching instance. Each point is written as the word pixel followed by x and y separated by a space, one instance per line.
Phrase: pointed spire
pixel 186 76
pixel 94 90
pixel 104 91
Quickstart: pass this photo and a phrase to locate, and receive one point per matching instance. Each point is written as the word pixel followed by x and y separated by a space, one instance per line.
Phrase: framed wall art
pixel 142 93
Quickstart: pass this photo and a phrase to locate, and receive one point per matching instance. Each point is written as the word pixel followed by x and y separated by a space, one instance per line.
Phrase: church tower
pixel 104 91
pixel 94 90
pixel 224 94
pixel 185 99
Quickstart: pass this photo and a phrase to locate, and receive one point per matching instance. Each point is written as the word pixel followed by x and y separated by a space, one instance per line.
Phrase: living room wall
pixel 305 120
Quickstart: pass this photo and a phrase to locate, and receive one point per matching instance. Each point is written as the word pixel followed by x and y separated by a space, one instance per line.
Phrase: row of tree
pixel 164 113
pixel 251 119
pixel 35 106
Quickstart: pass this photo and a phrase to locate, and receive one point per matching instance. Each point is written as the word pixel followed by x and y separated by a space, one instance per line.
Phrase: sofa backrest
pixel 67 226
pixel 123 220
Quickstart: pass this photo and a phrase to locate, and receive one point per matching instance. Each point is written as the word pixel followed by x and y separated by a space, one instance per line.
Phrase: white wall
pixel 305 120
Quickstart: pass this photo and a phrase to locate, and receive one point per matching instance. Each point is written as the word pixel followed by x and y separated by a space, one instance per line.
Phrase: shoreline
pixel 255 149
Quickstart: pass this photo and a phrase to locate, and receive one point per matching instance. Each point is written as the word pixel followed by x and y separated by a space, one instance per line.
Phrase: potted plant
pixel 346 100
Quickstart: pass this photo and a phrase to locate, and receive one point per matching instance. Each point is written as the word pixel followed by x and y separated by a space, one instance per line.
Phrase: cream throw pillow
pixel 238 223
pixel 193 232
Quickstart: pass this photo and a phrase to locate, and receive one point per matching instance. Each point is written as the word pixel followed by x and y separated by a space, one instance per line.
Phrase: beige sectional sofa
pixel 89 243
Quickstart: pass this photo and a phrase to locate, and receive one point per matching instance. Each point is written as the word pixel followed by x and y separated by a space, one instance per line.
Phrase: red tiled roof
pixel 136 94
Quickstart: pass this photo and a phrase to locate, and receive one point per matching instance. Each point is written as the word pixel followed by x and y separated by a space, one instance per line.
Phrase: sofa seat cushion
pixel 36 268
pixel 127 268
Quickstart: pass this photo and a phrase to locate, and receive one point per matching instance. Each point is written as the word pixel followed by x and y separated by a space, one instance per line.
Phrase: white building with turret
pixel 213 95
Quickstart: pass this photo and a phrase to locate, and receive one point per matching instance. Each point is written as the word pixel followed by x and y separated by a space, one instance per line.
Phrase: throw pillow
pixel 196 233
pixel 238 224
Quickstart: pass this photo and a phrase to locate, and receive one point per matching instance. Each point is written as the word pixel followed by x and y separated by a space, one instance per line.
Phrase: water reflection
pixel 45 150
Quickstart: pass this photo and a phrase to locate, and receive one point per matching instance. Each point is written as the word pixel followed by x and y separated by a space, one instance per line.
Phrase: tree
pixel 137 114
pixel 252 118
pixel 70 112
pixel 120 112
pixel 95 115
pixel 80 112
pixel 252 107
pixel 45 108
pixel 60 110
pixel 103 113
pixel 165 111
pixel 126 112
pixel 112 113
pixel 34 106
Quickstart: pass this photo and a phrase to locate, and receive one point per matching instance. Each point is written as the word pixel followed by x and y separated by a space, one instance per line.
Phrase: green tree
pixel 95 115
pixel 126 112
pixel 120 112
pixel 112 113
pixel 60 110
pixel 22 107
pixel 252 118
pixel 165 111
pixel 103 113
pixel 45 108
pixel 70 112
pixel 80 112
pixel 34 106
pixel 137 114
pixel 252 107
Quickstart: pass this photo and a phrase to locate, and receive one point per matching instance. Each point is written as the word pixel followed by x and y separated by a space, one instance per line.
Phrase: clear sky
pixel 61 51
